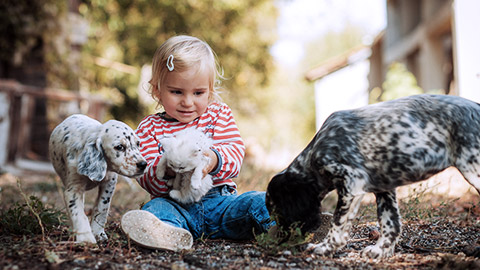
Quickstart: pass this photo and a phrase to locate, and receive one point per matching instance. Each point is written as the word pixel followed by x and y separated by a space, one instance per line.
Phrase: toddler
pixel 184 82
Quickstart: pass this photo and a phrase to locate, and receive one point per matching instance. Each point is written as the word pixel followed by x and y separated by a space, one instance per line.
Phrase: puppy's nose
pixel 142 165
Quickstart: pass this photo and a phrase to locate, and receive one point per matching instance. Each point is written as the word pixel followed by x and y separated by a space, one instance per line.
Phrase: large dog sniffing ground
pixel 376 149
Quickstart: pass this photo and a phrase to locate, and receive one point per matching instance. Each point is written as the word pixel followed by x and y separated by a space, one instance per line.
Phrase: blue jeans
pixel 221 213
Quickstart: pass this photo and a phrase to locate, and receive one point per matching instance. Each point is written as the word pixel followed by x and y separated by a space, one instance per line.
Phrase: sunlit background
pixel 288 64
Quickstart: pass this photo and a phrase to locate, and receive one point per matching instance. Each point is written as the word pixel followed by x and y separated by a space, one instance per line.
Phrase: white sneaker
pixel 145 229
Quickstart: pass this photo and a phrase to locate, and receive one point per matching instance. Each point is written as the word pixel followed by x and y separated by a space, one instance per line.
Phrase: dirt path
pixel 436 235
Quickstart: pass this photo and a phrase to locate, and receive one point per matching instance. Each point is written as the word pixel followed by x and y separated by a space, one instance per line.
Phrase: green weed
pixel 416 206
pixel 20 220
pixel 277 239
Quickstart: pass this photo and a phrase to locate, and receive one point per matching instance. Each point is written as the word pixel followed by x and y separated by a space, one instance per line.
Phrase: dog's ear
pixel 295 199
pixel 92 161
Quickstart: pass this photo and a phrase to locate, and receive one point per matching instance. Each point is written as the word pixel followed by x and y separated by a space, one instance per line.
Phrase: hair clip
pixel 170 65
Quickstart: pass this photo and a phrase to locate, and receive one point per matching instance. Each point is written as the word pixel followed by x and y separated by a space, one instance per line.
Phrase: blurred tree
pixel 288 120
pixel 327 46
pixel 399 82
pixel 129 32
pixel 27 30
pixel 332 44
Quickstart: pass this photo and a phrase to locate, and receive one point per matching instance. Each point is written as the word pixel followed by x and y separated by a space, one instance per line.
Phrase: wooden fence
pixel 30 113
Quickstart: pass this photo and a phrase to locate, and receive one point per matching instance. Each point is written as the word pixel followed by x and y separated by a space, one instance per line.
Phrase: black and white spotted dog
pixel 376 149
pixel 87 154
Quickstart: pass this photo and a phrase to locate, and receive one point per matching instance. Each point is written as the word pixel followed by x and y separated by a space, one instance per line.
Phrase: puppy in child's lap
pixel 184 154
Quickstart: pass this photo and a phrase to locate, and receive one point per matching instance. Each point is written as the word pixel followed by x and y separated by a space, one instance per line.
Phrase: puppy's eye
pixel 138 144
pixel 119 147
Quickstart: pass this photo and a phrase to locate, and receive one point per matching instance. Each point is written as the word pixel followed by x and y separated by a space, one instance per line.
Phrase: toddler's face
pixel 184 95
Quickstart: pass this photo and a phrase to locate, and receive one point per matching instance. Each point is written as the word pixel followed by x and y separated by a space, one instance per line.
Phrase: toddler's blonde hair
pixel 187 52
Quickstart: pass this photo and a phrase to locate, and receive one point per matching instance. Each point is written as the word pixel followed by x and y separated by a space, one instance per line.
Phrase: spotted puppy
pixel 87 154
pixel 376 149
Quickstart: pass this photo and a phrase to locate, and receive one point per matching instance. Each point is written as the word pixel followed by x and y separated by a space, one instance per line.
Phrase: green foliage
pixel 20 220
pixel 277 239
pixel 332 44
pixel 399 82
pixel 421 205
pixel 129 32
pixel 413 207
pixel 24 24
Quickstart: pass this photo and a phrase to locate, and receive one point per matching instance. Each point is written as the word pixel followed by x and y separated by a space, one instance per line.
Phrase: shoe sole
pixel 146 230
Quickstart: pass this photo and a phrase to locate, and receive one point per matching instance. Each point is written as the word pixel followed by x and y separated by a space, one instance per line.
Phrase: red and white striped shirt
pixel 217 122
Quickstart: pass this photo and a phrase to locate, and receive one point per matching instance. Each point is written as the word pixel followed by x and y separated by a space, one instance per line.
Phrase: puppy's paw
pixel 196 183
pixel 375 252
pixel 86 237
pixel 175 194
pixel 323 249
pixel 101 236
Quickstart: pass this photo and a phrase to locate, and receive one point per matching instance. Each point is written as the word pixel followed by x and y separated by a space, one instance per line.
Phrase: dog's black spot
pixel 404 124
pixel 106 200
pixel 472 160
pixel 71 204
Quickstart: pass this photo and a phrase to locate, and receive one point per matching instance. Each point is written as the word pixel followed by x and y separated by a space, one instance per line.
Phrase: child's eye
pixel 199 93
pixel 176 92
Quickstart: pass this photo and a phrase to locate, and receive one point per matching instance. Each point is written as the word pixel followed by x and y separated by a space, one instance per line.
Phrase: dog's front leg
pixel 345 212
pixel 74 197
pixel 161 167
pixel 390 226
pixel 176 192
pixel 197 175
pixel 102 206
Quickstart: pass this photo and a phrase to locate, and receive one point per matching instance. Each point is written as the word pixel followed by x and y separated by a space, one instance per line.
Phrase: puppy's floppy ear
pixel 92 161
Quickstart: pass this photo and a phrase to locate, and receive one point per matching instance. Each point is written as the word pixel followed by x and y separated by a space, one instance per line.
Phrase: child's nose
pixel 187 100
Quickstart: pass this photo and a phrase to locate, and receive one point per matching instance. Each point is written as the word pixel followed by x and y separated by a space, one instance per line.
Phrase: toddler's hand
pixel 212 164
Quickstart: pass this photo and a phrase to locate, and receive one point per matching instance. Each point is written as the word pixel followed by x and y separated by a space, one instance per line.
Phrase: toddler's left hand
pixel 212 164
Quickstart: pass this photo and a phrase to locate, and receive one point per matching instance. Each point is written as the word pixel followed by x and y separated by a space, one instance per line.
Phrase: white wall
pixel 4 128
pixel 467 47
pixel 344 89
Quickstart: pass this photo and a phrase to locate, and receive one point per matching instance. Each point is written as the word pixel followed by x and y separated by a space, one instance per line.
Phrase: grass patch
pixel 278 239
pixel 20 220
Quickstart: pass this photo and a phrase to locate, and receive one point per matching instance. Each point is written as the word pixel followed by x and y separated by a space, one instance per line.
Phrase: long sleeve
pixel 228 144
pixel 217 122
pixel 146 132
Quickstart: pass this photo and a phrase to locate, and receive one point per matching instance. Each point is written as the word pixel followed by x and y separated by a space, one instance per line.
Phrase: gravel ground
pixel 442 237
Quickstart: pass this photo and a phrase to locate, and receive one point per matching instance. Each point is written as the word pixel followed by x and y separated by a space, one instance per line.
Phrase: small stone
pixel 374 234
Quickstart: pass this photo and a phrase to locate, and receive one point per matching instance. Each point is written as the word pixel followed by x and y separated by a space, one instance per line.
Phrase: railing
pixel 28 114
